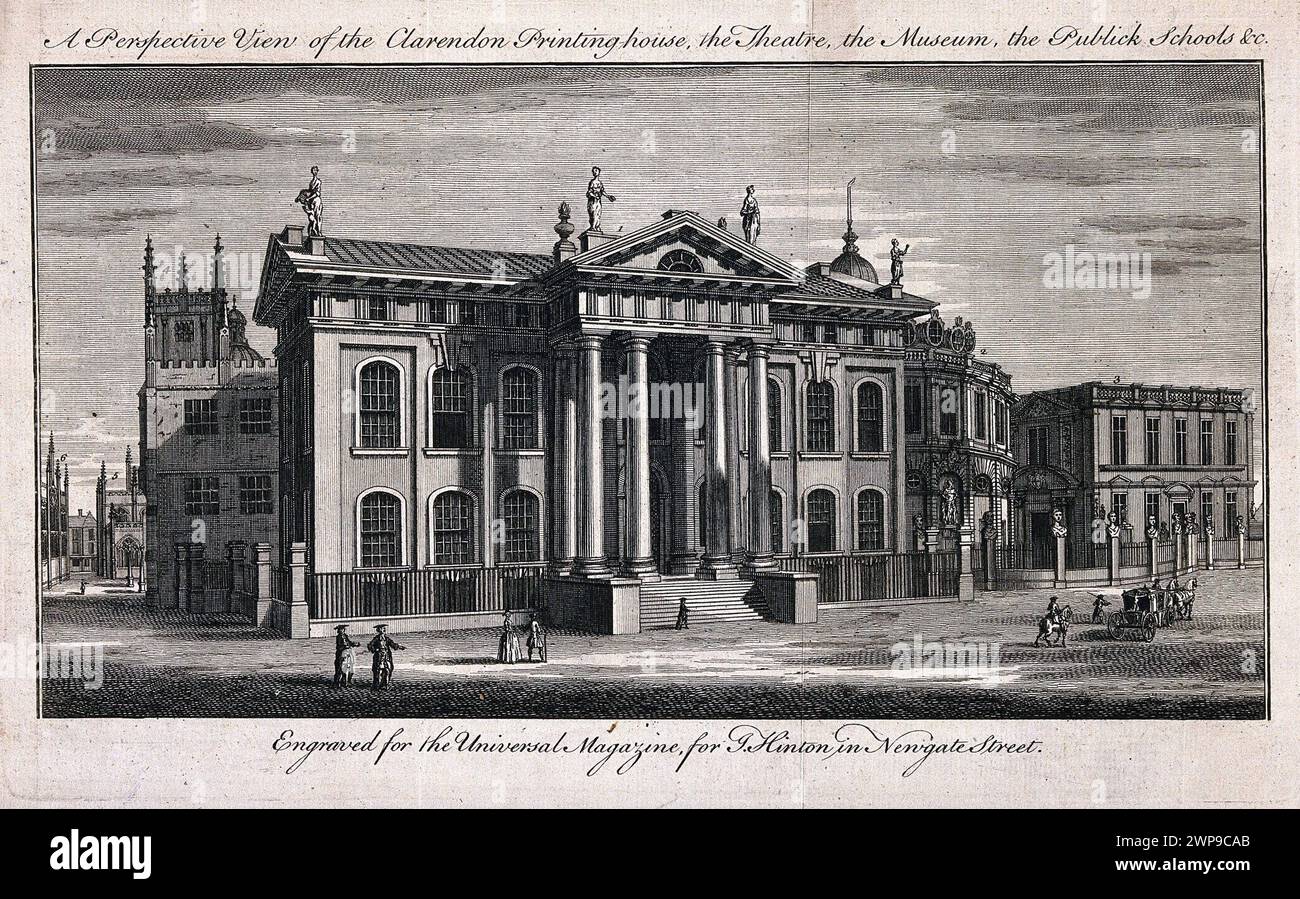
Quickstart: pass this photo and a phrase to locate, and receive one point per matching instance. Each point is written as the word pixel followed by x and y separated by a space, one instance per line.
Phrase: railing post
pixel 1209 550
pixel 1114 559
pixel 1192 546
pixel 262 602
pixel 990 545
pixel 966 565
pixel 296 619
pixel 1178 551
pixel 234 559
pixel 1241 547
pixel 182 576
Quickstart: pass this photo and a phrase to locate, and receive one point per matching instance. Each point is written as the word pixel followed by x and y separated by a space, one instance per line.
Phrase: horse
pixel 1048 629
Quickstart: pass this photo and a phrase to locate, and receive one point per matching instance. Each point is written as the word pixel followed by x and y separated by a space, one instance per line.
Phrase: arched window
pixel 871 418
pixel 451 529
pixel 821 417
pixel 681 261
pixel 379 522
pixel 871 520
pixel 449 408
pixel 776 518
pixel 821 521
pixel 519 512
pixel 519 408
pixel 380 405
pixel 775 423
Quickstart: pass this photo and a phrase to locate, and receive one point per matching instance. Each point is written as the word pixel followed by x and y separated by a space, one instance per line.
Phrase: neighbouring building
pixel 53 498
pixel 82 532
pixel 208 440
pixel 119 522
pixel 1140 451
pixel 450 411
pixel 956 418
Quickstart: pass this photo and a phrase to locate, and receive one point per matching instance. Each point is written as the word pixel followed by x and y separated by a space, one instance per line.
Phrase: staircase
pixel 707 602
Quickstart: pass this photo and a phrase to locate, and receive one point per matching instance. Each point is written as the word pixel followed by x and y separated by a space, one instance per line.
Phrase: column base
pixel 560 567
pixel 758 563
pixel 590 568
pixel 644 569
pixel 717 569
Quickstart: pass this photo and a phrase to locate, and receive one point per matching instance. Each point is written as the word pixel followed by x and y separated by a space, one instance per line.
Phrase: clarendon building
pixel 443 408
pixel 208 438
pixel 1146 453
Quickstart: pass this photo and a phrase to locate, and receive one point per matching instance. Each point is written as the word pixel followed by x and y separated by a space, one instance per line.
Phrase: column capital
pixel 731 352
pixel 634 341
pixel 758 349
pixel 589 341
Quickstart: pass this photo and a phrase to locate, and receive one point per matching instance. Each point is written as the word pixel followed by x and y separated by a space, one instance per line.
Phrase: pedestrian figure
pixel 345 660
pixel 83 587
pixel 536 637
pixel 682 615
pixel 508 650
pixel 381 662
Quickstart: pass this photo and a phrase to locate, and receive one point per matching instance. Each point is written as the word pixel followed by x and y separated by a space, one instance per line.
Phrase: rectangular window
pixel 202 496
pixel 1207 441
pixel 523 316
pixel 306 406
pixel 1000 423
pixel 1118 441
pixel 468 312
pixel 1230 442
pixel 1152 507
pixel 1119 505
pixel 948 408
pixel 1207 509
pixel 1038 443
pixel 912 408
pixel 1180 441
pixel 830 333
pixel 449 409
pixel 201 417
pixel 255 415
pixel 809 332
pixel 377 309
pixel 255 494
pixel 1230 513
pixel 1153 441
pixel 981 416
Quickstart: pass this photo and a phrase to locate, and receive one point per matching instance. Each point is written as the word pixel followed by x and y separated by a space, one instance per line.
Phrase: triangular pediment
pixel 655 247
pixel 1038 406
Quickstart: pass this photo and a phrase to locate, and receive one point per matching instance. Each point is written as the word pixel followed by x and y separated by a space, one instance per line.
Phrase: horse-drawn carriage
pixel 1150 607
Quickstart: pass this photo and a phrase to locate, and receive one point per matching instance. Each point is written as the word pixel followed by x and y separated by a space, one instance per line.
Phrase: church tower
pixel 183 325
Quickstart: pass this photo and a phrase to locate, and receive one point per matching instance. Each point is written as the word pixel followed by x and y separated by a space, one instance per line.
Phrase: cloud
pixel 103 222
pixel 122 180
pixel 1133 224
pixel 1075 171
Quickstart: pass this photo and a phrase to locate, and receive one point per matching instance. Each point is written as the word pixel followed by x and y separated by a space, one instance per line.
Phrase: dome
pixel 851 263
pixel 243 353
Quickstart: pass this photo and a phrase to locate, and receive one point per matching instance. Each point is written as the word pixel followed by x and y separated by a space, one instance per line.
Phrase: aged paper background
pixel 189 762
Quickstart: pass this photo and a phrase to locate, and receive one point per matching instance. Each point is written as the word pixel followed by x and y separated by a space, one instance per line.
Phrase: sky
pixel 991 173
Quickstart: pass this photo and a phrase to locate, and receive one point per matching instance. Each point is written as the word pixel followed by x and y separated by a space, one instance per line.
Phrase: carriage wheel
pixel 1112 627
pixel 1148 633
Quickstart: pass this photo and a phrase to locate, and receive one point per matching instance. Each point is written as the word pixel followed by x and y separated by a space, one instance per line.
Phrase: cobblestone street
pixel 845 665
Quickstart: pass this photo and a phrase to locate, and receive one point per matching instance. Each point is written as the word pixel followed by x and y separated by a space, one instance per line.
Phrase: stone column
pixel 717 550
pixel 236 552
pixel 1209 551
pixel 1241 547
pixel 1178 551
pixel 966 563
pixel 1152 548
pixel 731 397
pixel 564 495
pixel 638 552
pixel 194 572
pixel 591 464
pixel 1114 559
pixel 759 557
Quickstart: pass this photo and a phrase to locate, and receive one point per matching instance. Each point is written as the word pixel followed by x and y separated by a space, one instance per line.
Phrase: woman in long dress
pixel 508 645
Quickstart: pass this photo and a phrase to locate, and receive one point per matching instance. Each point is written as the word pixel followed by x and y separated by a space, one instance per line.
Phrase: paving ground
pixel 846 665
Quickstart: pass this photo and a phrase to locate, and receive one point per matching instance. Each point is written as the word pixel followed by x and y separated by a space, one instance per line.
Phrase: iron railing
pixel 427 591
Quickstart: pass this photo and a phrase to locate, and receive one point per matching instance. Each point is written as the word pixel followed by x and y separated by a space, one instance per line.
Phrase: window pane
pixel 453 530
pixel 821 417
pixel 871 520
pixel 380 398
pixel 821 521
pixel 519 409
pixel 381 533
pixel 774 420
pixel 776 521
pixel 449 409
pixel 871 426
pixel 521 531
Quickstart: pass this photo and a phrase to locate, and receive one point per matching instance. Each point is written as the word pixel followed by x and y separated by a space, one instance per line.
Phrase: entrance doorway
pixel 1041 543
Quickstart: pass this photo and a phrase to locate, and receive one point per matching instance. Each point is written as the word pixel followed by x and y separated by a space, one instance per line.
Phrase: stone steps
pixel 707 602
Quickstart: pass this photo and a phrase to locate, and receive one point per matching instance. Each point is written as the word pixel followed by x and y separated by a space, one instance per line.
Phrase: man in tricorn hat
pixel 345 660
pixel 381 662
